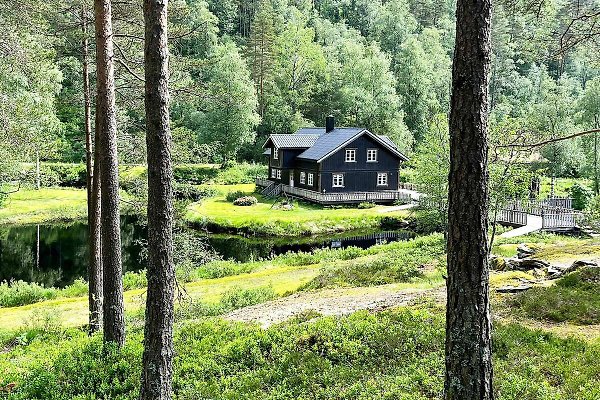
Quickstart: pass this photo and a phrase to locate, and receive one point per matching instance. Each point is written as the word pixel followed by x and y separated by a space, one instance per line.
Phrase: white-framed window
pixel 350 155
pixel 382 179
pixel 371 155
pixel 278 174
pixel 310 179
pixel 276 153
pixel 303 177
pixel 273 173
pixel 338 180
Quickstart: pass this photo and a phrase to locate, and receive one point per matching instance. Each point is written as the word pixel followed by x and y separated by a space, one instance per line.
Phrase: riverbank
pixel 266 218
pixel 29 206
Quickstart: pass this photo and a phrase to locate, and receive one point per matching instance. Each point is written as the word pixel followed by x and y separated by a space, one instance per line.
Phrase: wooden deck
pixel 388 196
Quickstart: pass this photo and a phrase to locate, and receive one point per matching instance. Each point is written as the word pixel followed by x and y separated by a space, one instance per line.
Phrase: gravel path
pixel 332 302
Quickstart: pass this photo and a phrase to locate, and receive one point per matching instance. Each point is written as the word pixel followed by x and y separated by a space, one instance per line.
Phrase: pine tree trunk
pixel 114 321
pixel 93 198
pixel 158 333
pixel 468 321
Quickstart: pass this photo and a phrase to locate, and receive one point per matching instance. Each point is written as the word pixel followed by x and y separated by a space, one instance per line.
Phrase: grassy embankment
pixel 265 219
pixel 390 263
pixel 28 206
pixel 395 354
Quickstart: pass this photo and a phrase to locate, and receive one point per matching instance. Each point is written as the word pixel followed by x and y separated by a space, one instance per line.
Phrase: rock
pixel 554 273
pixel 497 263
pixel 513 289
pixel 527 264
pixel 524 251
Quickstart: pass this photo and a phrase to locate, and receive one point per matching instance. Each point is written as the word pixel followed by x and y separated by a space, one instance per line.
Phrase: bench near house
pixel 333 165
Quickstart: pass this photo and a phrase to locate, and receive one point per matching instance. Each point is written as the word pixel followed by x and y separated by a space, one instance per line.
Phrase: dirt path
pixel 332 302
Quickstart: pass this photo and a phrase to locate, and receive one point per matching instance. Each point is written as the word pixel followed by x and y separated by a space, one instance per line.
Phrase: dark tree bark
pixel 158 333
pixel 468 322
pixel 106 123
pixel 93 194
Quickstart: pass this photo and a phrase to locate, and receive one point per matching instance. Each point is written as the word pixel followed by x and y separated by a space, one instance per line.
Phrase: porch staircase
pixel 272 190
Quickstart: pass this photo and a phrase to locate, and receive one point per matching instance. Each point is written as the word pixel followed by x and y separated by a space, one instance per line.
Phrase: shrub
pixel 239 298
pixel 240 173
pixel 246 201
pixel 194 174
pixel 398 262
pixel 581 195
pixel 366 205
pixel 574 298
pixel 186 191
pixel 56 174
pixel 18 293
pixel 234 195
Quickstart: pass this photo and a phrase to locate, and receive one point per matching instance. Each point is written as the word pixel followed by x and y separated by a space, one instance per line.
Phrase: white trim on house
pixel 337 180
pixel 372 155
pixel 350 155
pixel 303 177
pixel 382 179
pixel 278 174
pixel 275 153
pixel 310 179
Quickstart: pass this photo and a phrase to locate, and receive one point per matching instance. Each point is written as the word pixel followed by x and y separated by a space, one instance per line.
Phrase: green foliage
pixel 56 174
pixel 18 293
pixel 399 262
pixel 581 195
pixel 431 169
pixel 393 354
pixel 365 205
pixel 574 298
pixel 230 115
pixel 245 201
pixel 241 173
pixel 233 196
pixel 187 192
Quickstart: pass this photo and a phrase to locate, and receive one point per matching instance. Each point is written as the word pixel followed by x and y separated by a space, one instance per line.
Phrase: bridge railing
pixel 561 220
pixel 512 217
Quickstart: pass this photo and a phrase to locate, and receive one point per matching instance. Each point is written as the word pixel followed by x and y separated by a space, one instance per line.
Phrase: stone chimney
pixel 329 124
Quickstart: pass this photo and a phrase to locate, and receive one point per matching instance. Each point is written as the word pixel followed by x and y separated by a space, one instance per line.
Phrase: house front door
pixel 292 178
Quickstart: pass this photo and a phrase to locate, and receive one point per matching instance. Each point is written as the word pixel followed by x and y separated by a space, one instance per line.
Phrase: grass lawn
pixel 264 219
pixel 45 205
pixel 561 185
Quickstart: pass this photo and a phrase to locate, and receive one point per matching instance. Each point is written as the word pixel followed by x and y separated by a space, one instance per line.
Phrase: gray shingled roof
pixel 294 141
pixel 319 145
pixel 325 144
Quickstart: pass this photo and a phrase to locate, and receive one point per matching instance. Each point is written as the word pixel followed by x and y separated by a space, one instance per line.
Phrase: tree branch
pixel 549 141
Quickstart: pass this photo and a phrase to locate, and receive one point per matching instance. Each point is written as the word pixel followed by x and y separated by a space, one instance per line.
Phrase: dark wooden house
pixel 333 165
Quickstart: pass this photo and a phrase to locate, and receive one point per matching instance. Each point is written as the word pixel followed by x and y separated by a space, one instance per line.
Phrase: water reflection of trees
pixel 58 254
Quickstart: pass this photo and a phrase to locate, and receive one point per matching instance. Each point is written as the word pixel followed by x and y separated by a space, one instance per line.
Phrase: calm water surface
pixel 56 255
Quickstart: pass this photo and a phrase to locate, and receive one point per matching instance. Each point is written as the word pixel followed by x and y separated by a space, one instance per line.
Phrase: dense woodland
pixel 487 99
pixel 241 70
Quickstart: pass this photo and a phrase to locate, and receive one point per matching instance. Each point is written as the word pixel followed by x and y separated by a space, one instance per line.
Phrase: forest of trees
pixel 242 70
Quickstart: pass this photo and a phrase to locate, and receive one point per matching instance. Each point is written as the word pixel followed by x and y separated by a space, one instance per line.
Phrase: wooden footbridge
pixel 552 214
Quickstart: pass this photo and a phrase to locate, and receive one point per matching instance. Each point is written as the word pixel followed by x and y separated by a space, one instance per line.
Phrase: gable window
pixel 382 179
pixel 310 179
pixel 350 155
pixel 278 174
pixel 338 180
pixel 273 173
pixel 276 153
pixel 371 155
pixel 303 177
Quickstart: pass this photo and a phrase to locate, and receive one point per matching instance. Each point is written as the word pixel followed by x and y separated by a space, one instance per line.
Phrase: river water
pixel 56 254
